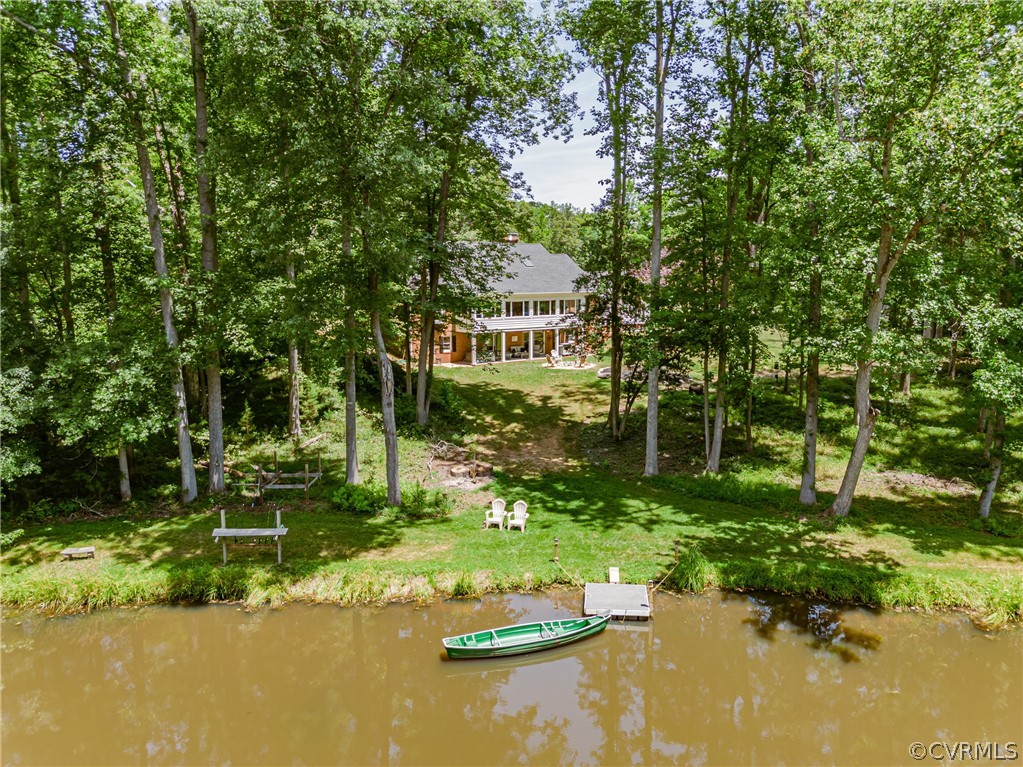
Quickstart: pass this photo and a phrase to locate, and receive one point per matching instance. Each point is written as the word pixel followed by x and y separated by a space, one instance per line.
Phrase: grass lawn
pixel 911 541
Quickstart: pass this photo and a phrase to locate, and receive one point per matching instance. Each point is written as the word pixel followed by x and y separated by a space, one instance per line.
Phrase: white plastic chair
pixel 496 514
pixel 518 516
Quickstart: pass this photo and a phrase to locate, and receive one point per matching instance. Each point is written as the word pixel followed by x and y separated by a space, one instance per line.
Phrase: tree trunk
pixel 424 383
pixel 101 230
pixel 409 389
pixel 714 459
pixel 188 487
pixel 125 472
pixel 706 404
pixel 386 396
pixel 351 442
pixel 653 382
pixel 208 248
pixel 294 370
pixel 952 355
pixel 887 258
pixel 905 383
pixel 65 260
pixel 351 410
pixel 174 173
pixel 426 339
pixel 995 465
pixel 748 425
pixel 982 420
pixel 866 420
pixel 808 485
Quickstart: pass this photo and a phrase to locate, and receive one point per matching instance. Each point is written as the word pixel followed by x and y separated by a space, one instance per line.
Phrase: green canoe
pixel 524 637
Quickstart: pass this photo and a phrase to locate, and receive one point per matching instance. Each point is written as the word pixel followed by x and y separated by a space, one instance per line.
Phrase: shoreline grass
pixel 906 545
pixel 349 559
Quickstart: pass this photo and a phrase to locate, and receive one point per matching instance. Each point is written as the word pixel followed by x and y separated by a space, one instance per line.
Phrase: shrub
pixel 46 509
pixel 418 502
pixel 361 499
pixel 404 411
pixel 1002 525
pixel 740 490
pixel 6 539
pixel 693 572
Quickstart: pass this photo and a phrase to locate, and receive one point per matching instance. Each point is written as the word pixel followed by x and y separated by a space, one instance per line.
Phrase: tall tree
pixel 208 224
pixel 131 98
pixel 896 160
pixel 670 20
pixel 610 36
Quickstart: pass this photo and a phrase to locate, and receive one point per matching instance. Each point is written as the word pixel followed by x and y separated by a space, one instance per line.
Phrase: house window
pixel 517 309
pixel 570 306
pixel 544 308
pixel 445 344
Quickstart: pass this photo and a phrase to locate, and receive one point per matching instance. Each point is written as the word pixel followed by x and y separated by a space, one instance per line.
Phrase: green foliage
pixel 17 408
pixel 742 489
pixel 49 509
pixel 465 586
pixel 6 539
pixel 361 499
pixel 1006 525
pixel 418 502
pixel 693 572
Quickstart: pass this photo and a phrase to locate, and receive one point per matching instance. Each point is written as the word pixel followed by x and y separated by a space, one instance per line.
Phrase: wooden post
pixel 307 481
pixel 277 467
pixel 278 535
pixel 223 539
pixel 555 549
pixel 259 483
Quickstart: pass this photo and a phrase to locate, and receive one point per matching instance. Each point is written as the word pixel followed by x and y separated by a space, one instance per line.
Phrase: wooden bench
pixel 222 533
pixel 79 551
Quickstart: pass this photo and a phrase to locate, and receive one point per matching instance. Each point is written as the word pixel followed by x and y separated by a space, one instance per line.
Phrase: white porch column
pixel 531 343
pixel 472 349
pixel 557 340
pixel 504 344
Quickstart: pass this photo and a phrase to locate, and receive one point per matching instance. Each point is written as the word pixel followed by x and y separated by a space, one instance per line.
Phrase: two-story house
pixel 538 312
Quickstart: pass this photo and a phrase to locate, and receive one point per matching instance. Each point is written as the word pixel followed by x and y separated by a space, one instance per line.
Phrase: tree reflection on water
pixel 713 679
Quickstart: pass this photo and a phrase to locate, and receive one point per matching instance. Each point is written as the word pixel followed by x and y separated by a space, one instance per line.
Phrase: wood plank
pixel 248 532
pixel 312 441
pixel 79 551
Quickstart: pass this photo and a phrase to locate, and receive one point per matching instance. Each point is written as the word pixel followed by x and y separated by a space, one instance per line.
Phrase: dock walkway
pixel 624 600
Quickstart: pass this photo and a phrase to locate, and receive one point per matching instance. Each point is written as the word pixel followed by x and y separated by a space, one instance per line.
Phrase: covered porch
pixel 513 344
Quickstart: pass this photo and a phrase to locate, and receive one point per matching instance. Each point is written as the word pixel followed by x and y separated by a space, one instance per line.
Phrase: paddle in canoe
pixel 524 637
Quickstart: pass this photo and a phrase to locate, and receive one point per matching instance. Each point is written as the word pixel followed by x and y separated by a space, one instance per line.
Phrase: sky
pixel 572 172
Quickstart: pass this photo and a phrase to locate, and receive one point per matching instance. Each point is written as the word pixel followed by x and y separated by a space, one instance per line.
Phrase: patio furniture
pixel 518 516
pixel 496 514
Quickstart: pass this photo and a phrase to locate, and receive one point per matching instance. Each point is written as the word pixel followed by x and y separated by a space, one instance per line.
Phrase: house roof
pixel 535 270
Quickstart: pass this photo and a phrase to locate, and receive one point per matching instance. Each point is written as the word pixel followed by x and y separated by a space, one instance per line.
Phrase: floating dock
pixel 625 601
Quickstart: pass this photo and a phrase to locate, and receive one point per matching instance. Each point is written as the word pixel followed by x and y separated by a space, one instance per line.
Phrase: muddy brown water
pixel 715 679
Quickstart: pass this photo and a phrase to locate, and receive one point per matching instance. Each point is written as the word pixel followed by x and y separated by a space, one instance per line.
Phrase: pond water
pixel 713 679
